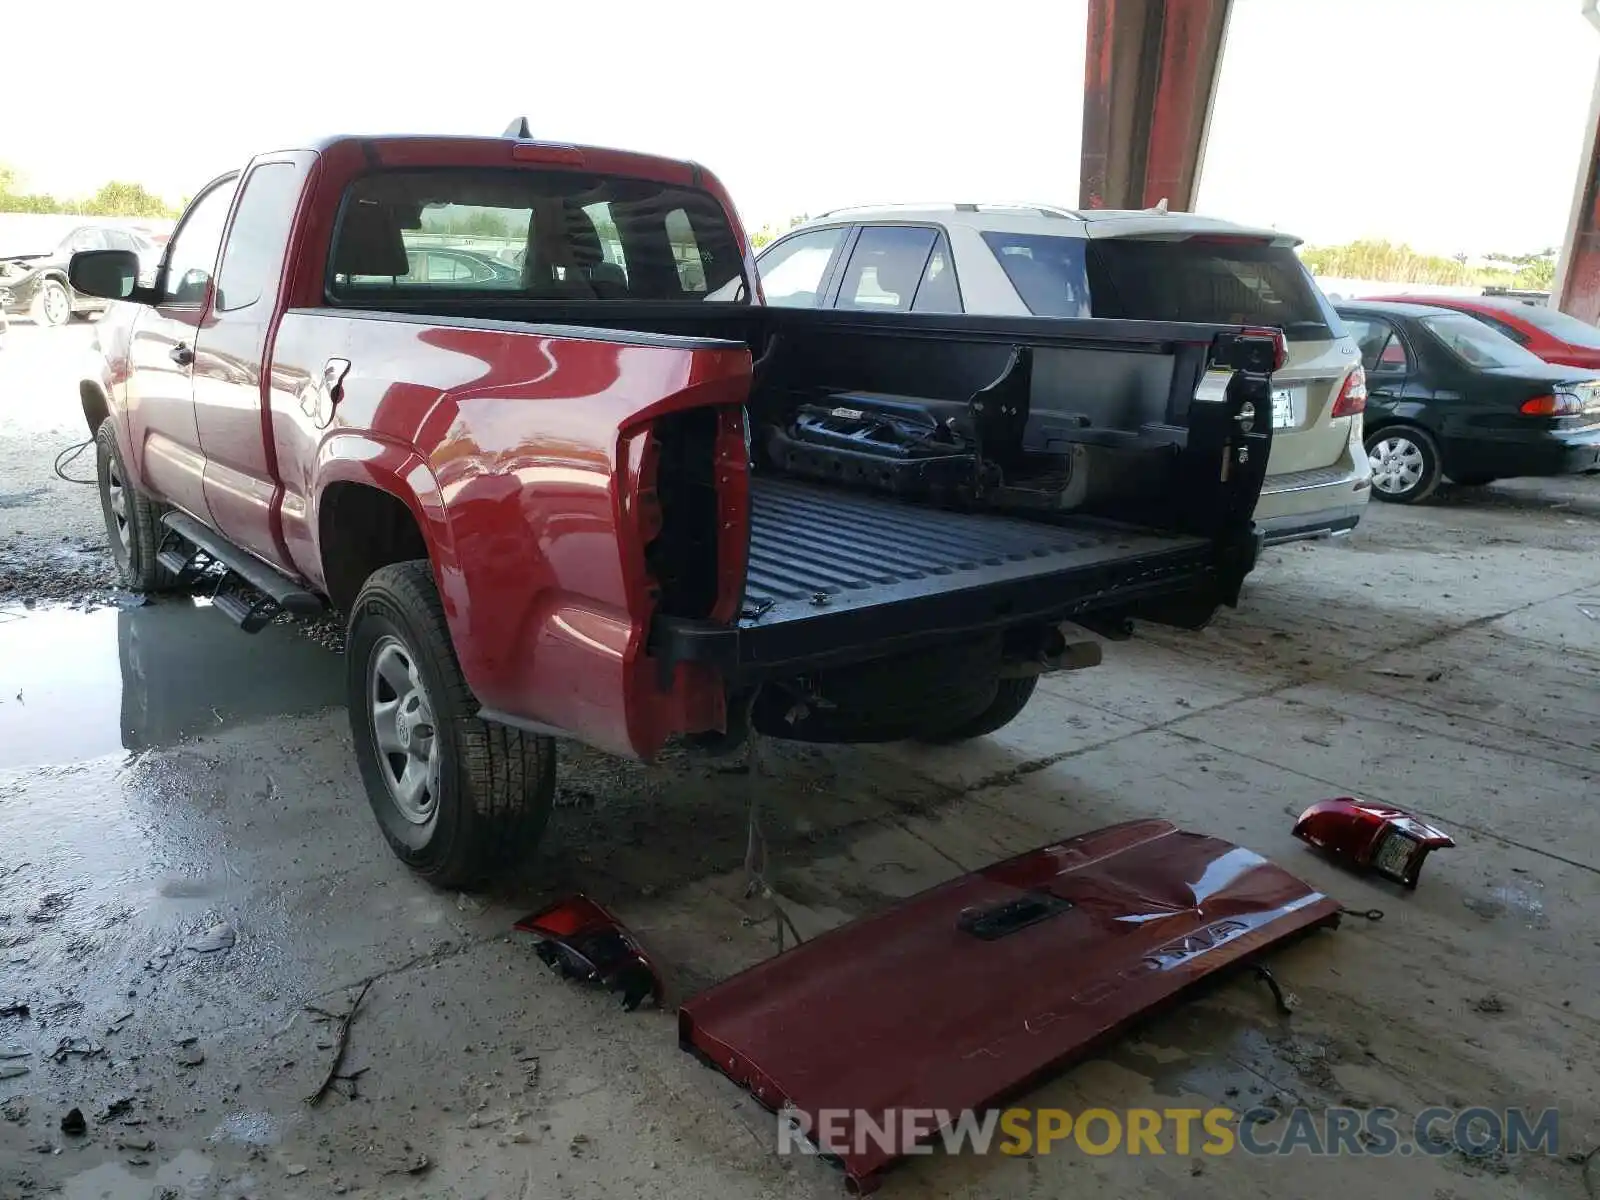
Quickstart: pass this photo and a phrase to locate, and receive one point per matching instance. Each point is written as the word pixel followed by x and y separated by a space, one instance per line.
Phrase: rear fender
pixel 398 470
pixel 511 447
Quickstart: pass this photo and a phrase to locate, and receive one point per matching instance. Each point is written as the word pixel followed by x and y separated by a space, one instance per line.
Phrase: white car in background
pixel 1154 265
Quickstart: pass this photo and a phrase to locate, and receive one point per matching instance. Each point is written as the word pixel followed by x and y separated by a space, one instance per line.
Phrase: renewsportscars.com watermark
pixel 1476 1132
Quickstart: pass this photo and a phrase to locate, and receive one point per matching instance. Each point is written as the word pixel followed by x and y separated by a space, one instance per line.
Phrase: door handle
pixel 181 354
pixel 333 373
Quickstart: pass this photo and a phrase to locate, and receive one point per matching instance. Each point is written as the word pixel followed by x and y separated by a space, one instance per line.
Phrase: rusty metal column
pixel 1577 286
pixel 1149 79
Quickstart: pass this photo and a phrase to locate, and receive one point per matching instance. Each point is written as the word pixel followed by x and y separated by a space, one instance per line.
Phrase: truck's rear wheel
pixel 133 520
pixel 1009 701
pixel 458 799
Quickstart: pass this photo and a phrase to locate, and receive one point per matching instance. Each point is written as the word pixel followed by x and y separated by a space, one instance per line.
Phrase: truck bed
pixel 833 571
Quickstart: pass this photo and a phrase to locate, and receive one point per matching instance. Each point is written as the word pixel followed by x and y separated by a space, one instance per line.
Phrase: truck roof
pixel 422 150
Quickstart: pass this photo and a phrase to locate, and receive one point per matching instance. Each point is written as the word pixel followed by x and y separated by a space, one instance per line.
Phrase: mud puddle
pixel 1230 1059
pixel 77 685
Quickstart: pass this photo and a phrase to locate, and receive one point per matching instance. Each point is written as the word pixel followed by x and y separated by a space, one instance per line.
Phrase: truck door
pixel 231 378
pixel 161 427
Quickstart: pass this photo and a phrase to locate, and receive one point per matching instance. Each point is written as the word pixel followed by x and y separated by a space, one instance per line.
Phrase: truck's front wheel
pixel 133 520
pixel 457 798
pixel 1010 699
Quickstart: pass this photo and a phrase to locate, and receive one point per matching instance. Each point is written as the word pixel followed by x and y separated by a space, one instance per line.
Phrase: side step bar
pixel 270 591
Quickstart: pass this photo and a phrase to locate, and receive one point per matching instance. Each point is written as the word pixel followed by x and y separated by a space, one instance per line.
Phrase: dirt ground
pixel 187 862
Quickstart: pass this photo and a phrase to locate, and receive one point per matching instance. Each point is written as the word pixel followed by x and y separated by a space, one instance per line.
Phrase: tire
pixel 479 795
pixel 1473 480
pixel 1405 464
pixel 133 520
pixel 52 304
pixel 1009 701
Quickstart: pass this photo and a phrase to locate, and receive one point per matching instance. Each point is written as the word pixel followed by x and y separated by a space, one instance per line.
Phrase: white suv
pixel 1145 265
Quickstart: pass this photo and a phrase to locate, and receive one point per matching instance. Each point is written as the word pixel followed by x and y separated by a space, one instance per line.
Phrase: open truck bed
pixel 831 569
pixel 856 548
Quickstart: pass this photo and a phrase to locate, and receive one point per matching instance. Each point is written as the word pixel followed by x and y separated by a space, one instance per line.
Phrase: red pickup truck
pixel 518 411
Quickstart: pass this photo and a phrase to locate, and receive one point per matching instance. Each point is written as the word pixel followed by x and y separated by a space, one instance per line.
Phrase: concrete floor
pixel 162 775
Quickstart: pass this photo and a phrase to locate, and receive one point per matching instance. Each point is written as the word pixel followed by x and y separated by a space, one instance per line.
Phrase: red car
pixel 1552 335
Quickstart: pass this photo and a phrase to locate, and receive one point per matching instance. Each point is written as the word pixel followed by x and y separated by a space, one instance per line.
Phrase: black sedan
pixel 1449 397
pixel 35 249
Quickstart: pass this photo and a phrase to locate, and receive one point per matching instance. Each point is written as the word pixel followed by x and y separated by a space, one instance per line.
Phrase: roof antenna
pixel 1161 204
pixel 519 129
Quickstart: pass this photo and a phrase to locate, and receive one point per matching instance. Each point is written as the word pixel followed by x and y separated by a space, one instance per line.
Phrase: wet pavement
pixel 190 881
pixel 75 685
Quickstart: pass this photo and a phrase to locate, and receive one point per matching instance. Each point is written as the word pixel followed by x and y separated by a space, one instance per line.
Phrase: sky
pixel 1454 125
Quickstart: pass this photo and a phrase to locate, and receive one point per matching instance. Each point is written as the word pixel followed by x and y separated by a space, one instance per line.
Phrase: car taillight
pixel 1375 837
pixel 1280 344
pixel 1353 395
pixel 1554 404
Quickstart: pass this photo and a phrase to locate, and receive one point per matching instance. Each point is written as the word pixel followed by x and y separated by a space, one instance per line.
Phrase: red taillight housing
pixel 1374 837
pixel 1353 395
pixel 581 940
pixel 1280 343
pixel 1554 404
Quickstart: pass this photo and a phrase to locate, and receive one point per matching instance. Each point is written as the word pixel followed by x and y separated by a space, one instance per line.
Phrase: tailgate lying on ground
pixel 961 996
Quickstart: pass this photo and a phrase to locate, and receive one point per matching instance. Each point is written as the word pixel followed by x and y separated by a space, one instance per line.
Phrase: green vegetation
pixel 115 199
pixel 1393 263
pixel 468 221
pixel 769 232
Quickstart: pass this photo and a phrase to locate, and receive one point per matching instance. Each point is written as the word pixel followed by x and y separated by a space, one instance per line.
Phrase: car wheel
pixel 1010 699
pixel 458 799
pixel 1405 464
pixel 52 303
pixel 1473 480
pixel 133 520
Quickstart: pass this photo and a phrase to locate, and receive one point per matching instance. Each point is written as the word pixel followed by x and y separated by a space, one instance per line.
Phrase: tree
pixel 121 199
pixel 115 199
pixel 1539 275
pixel 1391 263
pixel 769 232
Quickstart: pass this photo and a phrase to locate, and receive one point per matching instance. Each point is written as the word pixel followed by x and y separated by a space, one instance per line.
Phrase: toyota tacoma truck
pixel 518 412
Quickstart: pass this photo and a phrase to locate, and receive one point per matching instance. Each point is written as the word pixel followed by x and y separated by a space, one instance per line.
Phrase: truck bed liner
pixel 809 539
pixel 834 573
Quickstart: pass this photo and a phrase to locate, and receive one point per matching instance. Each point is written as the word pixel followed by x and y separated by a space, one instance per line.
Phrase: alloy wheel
pixel 403 730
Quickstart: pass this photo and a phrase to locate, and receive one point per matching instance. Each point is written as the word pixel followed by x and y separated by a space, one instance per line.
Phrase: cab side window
pixel 192 257
pixel 254 253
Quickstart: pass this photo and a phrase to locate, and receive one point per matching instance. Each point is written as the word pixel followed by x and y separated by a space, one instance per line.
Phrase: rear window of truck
pixel 1215 281
pixel 525 234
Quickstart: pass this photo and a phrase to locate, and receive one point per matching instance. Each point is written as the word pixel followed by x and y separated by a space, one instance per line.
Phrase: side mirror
pixel 109 274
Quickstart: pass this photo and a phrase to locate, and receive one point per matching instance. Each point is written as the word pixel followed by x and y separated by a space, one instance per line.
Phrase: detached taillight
pixel 1374 837
pixel 1280 344
pixel 1554 404
pixel 1353 395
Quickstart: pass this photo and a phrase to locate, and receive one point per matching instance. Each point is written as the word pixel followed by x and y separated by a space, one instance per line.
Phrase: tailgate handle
pixel 991 924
